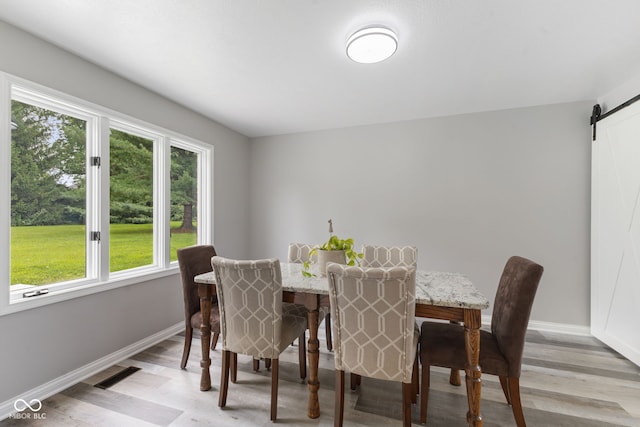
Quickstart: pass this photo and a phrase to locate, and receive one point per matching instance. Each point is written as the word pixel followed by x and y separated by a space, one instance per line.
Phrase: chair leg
pixel 339 404
pixel 516 404
pixel 302 355
pixel 327 325
pixel 214 340
pixel 256 365
pixel 234 367
pixel 267 363
pixel 424 391
pixel 415 386
pixel 454 375
pixel 275 367
pixel 504 382
pixel 407 393
pixel 224 378
pixel 188 335
pixel 355 380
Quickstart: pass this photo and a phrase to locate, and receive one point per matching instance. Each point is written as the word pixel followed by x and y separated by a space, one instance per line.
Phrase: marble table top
pixel 432 287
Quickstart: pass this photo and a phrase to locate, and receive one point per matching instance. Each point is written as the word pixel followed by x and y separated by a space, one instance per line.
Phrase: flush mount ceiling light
pixel 372 44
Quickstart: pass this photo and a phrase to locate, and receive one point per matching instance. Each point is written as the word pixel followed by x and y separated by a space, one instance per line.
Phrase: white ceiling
pixel 265 67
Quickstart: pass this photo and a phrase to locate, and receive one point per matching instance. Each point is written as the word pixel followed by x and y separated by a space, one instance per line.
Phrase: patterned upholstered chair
pixel 395 256
pixel 374 328
pixel 443 344
pixel 299 253
pixel 194 260
pixel 251 317
pixel 386 256
pixel 389 256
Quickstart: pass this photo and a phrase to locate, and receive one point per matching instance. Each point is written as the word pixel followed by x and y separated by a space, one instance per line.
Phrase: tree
pixel 131 178
pixel 183 188
pixel 47 167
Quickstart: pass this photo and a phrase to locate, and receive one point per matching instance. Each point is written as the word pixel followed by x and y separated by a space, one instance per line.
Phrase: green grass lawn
pixel 51 254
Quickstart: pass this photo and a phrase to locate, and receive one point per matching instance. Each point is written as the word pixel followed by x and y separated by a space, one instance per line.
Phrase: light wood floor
pixel 566 381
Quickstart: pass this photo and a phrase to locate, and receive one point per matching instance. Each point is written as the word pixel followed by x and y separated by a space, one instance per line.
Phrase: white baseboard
pixel 65 381
pixel 535 325
pixel 561 328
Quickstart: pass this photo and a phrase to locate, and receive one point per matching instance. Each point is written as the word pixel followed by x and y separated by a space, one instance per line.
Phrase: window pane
pixel 184 203
pixel 131 201
pixel 48 196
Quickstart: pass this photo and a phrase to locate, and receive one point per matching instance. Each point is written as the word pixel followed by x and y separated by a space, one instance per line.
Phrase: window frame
pixel 159 152
pixel 99 122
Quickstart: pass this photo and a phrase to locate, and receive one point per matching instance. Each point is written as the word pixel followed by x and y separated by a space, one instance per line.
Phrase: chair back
pixel 389 256
pixel 250 304
pixel 299 253
pixel 193 260
pixel 512 307
pixel 373 315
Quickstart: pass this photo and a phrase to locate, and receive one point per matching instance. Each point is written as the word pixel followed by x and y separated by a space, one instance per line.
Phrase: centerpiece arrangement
pixel 333 250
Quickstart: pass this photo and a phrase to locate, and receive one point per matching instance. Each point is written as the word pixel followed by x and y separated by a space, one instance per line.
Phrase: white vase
pixel 324 257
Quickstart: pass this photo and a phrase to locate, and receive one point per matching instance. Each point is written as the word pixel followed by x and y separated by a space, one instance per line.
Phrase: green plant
pixel 334 244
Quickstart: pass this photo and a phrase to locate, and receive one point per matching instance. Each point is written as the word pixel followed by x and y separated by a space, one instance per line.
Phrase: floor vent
pixel 116 378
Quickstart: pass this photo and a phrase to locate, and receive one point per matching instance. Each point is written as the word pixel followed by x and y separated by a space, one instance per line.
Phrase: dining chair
pixel 443 344
pixel 389 256
pixel 374 328
pixel 252 321
pixel 386 256
pixel 298 254
pixel 194 260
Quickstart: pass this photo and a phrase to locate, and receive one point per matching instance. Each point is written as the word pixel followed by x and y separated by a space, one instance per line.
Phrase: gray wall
pixel 468 191
pixel 44 343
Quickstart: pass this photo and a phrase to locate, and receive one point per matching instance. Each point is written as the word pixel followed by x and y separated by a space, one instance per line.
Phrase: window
pixel 48 195
pixel 131 200
pixel 97 199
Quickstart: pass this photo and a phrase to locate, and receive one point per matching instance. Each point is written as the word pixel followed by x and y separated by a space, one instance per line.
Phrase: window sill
pixel 55 296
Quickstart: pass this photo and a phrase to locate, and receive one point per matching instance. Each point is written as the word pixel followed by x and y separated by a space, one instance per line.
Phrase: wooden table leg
pixel 204 292
pixel 313 351
pixel 472 323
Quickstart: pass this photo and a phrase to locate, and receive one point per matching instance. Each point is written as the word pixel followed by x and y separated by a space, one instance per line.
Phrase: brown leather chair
pixel 443 344
pixel 194 260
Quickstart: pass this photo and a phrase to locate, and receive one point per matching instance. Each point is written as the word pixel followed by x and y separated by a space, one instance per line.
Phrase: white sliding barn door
pixel 615 232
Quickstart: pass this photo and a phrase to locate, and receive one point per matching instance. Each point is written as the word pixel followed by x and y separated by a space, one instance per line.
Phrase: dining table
pixel 439 295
